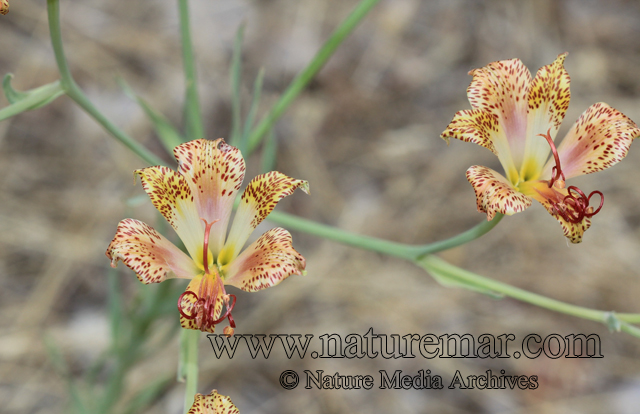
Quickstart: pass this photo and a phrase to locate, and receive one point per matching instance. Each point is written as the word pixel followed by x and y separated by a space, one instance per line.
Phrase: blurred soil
pixel 365 134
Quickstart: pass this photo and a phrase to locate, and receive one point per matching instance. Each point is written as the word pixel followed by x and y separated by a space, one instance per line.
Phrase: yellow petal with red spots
pixel 540 191
pixel 214 172
pixel 258 200
pixel 4 6
pixel 171 195
pixel 494 194
pixel 148 253
pixel 548 102
pixel 213 403
pixel 266 262
pixel 201 303
pixel 599 139
pixel 501 88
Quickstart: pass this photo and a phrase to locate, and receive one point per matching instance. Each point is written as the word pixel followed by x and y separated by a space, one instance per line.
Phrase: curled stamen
pixel 556 172
pixel 193 305
pixel 575 207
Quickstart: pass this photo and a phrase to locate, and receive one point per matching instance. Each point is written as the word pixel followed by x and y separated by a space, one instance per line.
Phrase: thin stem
pixel 194 126
pixel 438 265
pixel 404 251
pixel 190 344
pixel 74 92
pixel 304 77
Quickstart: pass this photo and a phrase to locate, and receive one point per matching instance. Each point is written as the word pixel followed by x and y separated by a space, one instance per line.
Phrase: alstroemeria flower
pixel 517 118
pixel 197 201
pixel 213 403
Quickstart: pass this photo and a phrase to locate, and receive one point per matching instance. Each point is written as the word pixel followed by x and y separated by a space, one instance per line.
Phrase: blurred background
pixel 365 134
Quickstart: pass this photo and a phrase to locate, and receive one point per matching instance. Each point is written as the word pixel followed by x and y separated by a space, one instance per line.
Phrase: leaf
pixel 31 99
pixel 449 280
pixel 169 136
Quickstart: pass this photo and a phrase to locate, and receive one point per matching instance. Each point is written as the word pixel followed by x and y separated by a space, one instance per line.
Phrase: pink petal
pixel 214 172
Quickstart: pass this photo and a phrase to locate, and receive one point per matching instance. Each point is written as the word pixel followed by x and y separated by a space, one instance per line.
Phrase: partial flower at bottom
pixel 517 118
pixel 197 201
pixel 213 403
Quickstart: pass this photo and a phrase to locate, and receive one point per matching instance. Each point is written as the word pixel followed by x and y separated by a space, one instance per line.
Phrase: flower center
pixel 201 306
pixel 575 206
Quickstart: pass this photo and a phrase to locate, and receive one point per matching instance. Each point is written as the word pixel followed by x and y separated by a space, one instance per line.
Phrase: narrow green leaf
pixel 12 95
pixel 449 280
pixel 169 136
pixel 255 102
pixel 236 80
pixel 270 153
pixel 31 99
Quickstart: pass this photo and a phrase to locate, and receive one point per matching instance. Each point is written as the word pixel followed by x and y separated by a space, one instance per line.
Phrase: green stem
pixel 74 92
pixel 189 340
pixel 435 264
pixel 194 125
pixel 304 77
pixel 404 251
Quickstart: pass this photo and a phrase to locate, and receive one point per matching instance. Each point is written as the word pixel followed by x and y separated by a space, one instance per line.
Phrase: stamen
pixel 203 310
pixel 574 208
pixel 556 171
pixel 205 248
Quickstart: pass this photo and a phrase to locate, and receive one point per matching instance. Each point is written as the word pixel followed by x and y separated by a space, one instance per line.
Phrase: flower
pixel 4 7
pixel 213 403
pixel 197 201
pixel 511 112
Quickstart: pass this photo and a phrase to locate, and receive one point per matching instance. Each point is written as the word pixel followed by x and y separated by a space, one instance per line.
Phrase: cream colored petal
pixel 266 262
pixel 148 253
pixel 171 195
pixel 258 200
pixel 214 172
pixel 494 194
pixel 213 403
pixel 548 102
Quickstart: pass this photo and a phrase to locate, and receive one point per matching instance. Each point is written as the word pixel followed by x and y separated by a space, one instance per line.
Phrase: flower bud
pixel 4 6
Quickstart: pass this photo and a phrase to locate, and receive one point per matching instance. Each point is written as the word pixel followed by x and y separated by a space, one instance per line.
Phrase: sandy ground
pixel 366 136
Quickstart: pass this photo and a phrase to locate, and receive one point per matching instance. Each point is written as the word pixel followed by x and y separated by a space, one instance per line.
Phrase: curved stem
pixel 304 77
pixel 402 250
pixel 194 126
pixel 74 92
pixel 437 265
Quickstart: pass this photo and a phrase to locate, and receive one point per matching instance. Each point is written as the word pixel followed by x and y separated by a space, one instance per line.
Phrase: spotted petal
pixel 171 195
pixel 599 139
pixel 494 194
pixel 148 253
pixel 540 191
pixel 501 88
pixel 214 172
pixel 203 295
pixel 213 403
pixel 266 262
pixel 548 102
pixel 258 200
